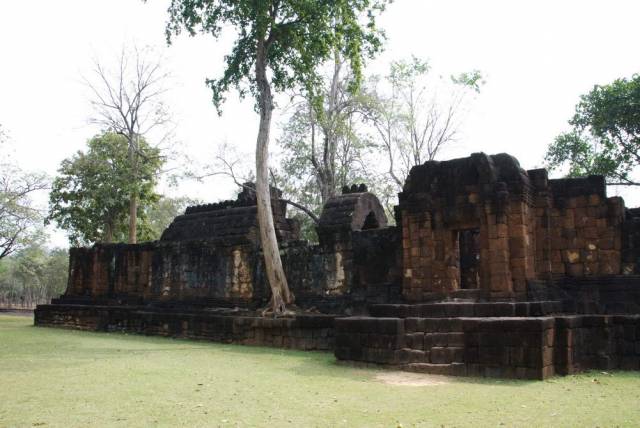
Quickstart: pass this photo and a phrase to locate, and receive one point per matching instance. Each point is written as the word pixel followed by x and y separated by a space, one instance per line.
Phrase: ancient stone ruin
pixel 491 270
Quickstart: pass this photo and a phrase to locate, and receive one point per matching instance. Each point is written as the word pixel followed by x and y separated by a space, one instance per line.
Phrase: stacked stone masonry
pixel 306 332
pixel 522 225
pixel 513 347
pixel 490 270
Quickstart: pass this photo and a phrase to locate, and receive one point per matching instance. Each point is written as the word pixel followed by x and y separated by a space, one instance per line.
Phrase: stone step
pixel 467 309
pixel 433 355
pixel 462 295
pixel 453 369
pixel 426 340
pixel 88 300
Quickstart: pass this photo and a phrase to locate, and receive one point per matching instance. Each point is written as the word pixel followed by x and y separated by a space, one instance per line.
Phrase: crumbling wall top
pixel 356 209
pixel 572 187
pixel 453 177
pixel 246 198
pixel 232 222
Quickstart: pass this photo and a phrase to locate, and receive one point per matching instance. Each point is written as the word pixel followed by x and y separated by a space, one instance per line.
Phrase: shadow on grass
pixel 304 364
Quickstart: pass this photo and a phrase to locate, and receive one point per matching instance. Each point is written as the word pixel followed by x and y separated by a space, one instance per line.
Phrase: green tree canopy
pixel 160 214
pixel 323 147
pixel 297 37
pixel 90 196
pixel 605 135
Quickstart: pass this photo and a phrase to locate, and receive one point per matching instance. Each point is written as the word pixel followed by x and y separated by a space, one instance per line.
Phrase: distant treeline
pixel 33 276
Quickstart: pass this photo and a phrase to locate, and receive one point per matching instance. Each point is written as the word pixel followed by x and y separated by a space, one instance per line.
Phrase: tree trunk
pixel 133 199
pixel 133 224
pixel 108 233
pixel 280 294
pixel 325 189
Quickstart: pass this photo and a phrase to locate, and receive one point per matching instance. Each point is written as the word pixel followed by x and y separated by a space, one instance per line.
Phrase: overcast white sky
pixel 538 58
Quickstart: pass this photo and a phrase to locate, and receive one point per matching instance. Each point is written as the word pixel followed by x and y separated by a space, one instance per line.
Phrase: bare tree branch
pixel 128 101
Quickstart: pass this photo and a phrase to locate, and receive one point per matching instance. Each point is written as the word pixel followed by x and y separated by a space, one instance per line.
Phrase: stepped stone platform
pixel 490 339
pixel 467 309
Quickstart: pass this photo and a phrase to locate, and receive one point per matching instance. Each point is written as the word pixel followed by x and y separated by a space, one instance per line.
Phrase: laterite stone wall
pixel 308 332
pixel 523 348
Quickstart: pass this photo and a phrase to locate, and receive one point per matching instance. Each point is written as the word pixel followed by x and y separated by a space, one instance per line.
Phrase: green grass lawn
pixel 51 377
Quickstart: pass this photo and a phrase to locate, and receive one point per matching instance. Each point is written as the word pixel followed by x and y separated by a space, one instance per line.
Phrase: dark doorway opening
pixel 469 245
pixel 370 222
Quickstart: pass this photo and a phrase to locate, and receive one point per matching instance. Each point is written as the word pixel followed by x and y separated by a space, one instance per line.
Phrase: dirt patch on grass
pixel 411 379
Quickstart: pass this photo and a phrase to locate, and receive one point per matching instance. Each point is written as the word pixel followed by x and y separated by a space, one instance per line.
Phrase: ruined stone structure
pixel 210 257
pixel 491 270
pixel 484 223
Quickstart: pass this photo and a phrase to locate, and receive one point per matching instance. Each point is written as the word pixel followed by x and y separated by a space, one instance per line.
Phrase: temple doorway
pixel 469 248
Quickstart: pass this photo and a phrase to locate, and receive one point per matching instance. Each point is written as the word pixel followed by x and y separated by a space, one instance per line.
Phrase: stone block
pixel 433 310
pixel 448 325
pixel 474 370
pixel 471 354
pixel 428 341
pixel 496 371
pixel 517 356
pixel 594 201
pixel 574 269
pixel 458 369
pixel 493 355
pixel 522 309
pixel 414 340
pixel 531 339
pixel 456 339
pixel 548 338
pixel 413 325
pixel 392 326
pixel 414 356
pixel 439 339
pixel 437 369
pixel 456 354
pixel 439 355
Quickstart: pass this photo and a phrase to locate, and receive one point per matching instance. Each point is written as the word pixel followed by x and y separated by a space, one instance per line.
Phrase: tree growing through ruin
pixel 279 46
pixel 128 100
pixel 605 135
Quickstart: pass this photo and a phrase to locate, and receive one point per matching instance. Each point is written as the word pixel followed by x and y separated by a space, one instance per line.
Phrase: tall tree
pixel 321 140
pixel 91 194
pixel 605 138
pixel 20 219
pixel 324 147
pixel 415 117
pixel 280 45
pixel 127 100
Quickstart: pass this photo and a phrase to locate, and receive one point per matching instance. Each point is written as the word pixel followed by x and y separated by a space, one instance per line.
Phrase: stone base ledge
pixel 304 332
pixel 509 347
